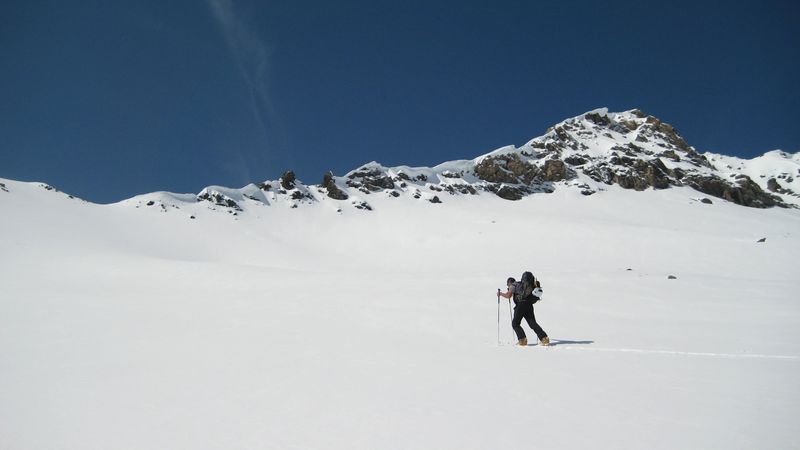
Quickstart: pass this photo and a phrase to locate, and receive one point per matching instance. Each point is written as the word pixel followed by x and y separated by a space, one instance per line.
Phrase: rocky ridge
pixel 588 153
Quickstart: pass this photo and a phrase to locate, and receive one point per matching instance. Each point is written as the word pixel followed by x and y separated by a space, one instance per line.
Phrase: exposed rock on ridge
pixel 589 153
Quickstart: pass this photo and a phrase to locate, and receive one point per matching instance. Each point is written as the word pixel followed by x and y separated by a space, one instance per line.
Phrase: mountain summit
pixel 589 153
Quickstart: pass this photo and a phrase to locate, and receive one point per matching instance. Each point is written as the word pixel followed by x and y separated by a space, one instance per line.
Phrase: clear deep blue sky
pixel 109 99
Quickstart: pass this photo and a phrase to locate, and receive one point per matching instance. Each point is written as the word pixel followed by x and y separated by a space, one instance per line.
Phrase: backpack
pixel 531 288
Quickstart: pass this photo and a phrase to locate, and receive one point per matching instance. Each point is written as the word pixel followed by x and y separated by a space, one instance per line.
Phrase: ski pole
pixel 511 318
pixel 498 317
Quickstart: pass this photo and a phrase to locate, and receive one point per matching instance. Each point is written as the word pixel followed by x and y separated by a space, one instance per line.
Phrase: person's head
pixel 510 281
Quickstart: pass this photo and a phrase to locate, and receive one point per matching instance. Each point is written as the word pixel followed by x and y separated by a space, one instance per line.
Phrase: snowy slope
pixel 130 326
pixel 782 167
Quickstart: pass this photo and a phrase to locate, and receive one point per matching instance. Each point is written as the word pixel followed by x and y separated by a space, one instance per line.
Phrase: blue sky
pixel 109 99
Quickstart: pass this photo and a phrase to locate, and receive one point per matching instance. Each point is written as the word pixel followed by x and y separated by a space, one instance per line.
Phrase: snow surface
pixel 129 328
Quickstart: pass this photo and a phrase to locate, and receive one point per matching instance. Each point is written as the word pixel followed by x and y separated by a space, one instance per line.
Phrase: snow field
pixel 130 329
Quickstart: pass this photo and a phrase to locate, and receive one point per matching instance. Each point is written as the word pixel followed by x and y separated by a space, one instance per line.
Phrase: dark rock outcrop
pixel 464 189
pixel 597 119
pixel 655 128
pixel 509 168
pixel 576 160
pixel 556 170
pixel 219 200
pixel 288 180
pixel 746 192
pixel 333 191
pixel 370 180
pixel 299 195
pixel 773 186
pixel 508 192
pixel 654 172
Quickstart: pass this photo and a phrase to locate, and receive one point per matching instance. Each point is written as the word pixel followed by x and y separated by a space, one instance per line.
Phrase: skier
pixel 523 309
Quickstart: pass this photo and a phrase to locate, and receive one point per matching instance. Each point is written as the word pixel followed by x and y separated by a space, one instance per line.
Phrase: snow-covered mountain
pixel 361 312
pixel 586 153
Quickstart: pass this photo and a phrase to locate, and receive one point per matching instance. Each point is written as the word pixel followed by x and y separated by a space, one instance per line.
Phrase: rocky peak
pixel 589 153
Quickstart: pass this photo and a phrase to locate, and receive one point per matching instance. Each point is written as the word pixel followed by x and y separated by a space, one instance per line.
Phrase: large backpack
pixel 531 288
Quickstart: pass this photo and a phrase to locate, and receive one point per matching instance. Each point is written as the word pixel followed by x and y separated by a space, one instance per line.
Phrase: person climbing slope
pixel 525 293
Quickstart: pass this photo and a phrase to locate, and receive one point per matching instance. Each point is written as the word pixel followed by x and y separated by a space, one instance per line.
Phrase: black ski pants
pixel 525 310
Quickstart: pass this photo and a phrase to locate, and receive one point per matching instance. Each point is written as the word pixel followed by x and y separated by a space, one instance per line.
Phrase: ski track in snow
pixel 564 346
pixel 682 353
